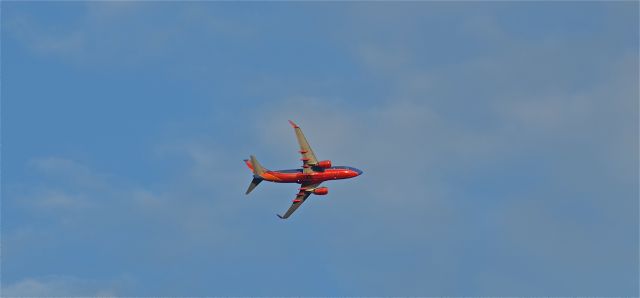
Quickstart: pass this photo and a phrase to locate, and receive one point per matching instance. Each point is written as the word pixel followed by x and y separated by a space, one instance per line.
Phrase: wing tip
pixel 293 124
pixel 280 216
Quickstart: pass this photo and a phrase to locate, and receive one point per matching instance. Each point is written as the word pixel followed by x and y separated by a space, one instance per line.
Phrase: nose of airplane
pixel 358 172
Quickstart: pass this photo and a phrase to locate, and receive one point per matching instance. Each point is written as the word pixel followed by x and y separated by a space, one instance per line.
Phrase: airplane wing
pixel 308 157
pixel 300 198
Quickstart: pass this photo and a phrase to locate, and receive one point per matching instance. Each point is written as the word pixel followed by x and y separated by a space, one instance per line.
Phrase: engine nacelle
pixel 324 164
pixel 321 191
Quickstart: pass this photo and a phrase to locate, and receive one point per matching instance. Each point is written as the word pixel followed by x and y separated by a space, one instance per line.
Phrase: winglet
pixel 293 124
pixel 280 216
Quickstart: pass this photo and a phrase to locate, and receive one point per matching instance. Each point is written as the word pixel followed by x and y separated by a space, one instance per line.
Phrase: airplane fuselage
pixel 297 176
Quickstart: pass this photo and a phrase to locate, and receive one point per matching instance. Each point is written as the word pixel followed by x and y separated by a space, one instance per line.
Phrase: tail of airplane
pixel 257 170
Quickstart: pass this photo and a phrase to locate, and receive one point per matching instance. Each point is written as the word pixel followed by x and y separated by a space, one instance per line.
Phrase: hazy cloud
pixel 54 286
pixel 101 32
pixel 497 160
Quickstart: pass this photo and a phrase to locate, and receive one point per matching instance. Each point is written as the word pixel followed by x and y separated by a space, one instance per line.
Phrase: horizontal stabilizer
pixel 253 184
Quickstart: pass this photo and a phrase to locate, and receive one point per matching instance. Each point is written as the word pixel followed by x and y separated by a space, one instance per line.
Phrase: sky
pixel 498 141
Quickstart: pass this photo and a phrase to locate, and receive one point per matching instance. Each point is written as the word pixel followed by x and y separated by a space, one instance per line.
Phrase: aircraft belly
pixel 308 178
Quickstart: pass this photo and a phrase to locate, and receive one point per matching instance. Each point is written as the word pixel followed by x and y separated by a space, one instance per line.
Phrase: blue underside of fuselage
pixel 289 171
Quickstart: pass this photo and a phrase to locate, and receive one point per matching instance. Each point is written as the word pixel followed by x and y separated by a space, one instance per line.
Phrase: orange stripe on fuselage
pixel 276 176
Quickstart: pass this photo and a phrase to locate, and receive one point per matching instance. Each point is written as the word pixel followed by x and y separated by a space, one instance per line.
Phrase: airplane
pixel 310 176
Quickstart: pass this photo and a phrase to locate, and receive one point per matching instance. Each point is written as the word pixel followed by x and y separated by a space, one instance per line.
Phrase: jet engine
pixel 321 191
pixel 324 164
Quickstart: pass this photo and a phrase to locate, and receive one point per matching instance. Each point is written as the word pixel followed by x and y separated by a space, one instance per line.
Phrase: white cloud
pixel 59 200
pixel 46 42
pixel 439 126
pixel 68 170
pixel 52 286
pixel 438 131
pixel 117 32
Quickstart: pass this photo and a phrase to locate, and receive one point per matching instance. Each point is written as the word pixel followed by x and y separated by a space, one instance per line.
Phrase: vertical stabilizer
pixel 258 170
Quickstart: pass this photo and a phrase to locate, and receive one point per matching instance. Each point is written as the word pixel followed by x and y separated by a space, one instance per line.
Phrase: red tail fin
pixel 249 165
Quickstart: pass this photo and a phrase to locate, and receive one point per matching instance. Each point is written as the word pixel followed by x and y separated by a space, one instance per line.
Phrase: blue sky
pixel 499 144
